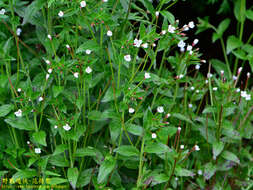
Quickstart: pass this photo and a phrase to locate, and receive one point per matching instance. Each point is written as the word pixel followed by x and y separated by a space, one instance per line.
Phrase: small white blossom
pixel 47 76
pixel 67 46
pixel 145 45
pixel 19 89
pixel 209 75
pixel 248 74
pixel 168 115
pixel 181 44
pixel 88 52
pixel 55 126
pixel 176 178
pixel 206 81
pixel 147 76
pixel 137 43
pixel 197 91
pixel 157 13
pixel 50 70
pixel 239 70
pixel 197 66
pixel 37 150
pixel 181 76
pixel 181 146
pixel 109 33
pixel 40 98
pixel 190 105
pixel 203 61
pixel 48 62
pixel 27 142
pixel 127 58
pixel 88 70
pixel 190 52
pixel 160 109
pixel 222 72
pixel 83 4
pixel 163 32
pixel 191 24
pixel 2 11
pixel 195 42
pixel 179 129
pixel 192 88
pixel 243 94
pixel 185 28
pixel 171 29
pixel 76 75
pixel 49 37
pixel 66 127
pixel 189 48
pixel 215 88
pixel 131 110
pixel 248 97
pixel 18 32
pixel 154 45
pixel 182 49
pixel 200 172
pixel 154 136
pixel 18 113
pixel 60 14
pixel 196 147
pixel 238 90
pixel 105 1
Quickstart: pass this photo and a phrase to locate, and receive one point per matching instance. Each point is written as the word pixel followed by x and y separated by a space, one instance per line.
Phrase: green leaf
pixel 40 137
pixel 115 128
pixel 157 148
pixel 233 43
pixel 20 123
pixel 169 16
pixel 239 10
pixel 134 129
pixel 182 117
pixel 106 168
pixel 5 109
pixel 22 174
pixel 223 26
pixel 91 45
pixel 32 9
pixel 109 95
pixel 209 170
pixel 60 148
pixel 56 180
pixel 88 151
pixel 59 160
pixel 217 148
pixel 73 176
pixel 230 156
pixel 84 178
pixel 95 115
pixel 183 172
pixel 249 14
pixel 127 150
pixel 57 90
pixel 218 66
pixel 148 5
pixel 50 2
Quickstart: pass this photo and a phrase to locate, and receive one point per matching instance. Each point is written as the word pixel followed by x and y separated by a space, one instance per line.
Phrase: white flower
pixel 76 75
pixel 195 42
pixel 181 76
pixel 145 45
pixel 209 75
pixel 157 13
pixel 171 29
pixel 248 74
pixel 160 109
pixel 168 115
pixel 191 24
pixel 206 81
pixel 147 76
pixel 239 70
pixel 105 1
pixel 127 58
pixel 19 89
pixel 189 48
pixel 185 28
pixel 182 49
pixel 88 70
pixel 176 178
pixel 181 146
pixel 67 46
pixel 18 32
pixel 49 37
pixel 200 172
pixel 37 150
pixel 248 97
pixel 109 33
pixel 190 105
pixel 40 99
pixel 163 32
pixel 60 14
pixel 196 147
pixel 131 110
pixel 215 88
pixel 2 11
pixel 154 136
pixel 48 62
pixel 55 126
pixel 83 4
pixel 18 113
pixel 238 90
pixel 181 44
pixel 47 76
pixel 197 91
pixel 197 66
pixel 49 70
pixel 222 72
pixel 243 94
pixel 179 129
pixel 88 51
pixel 28 142
pixel 137 43
pixel 66 127
pixel 192 88
pixel 203 61
pixel 191 52
pixel 154 45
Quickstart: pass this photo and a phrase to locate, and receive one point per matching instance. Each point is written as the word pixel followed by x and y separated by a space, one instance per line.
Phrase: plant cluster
pixel 109 94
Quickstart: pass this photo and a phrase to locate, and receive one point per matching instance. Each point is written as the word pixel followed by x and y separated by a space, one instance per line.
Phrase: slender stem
pixel 141 163
pixel 226 57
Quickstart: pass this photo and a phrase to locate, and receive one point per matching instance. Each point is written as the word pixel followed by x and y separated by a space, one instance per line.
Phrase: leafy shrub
pixel 109 95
